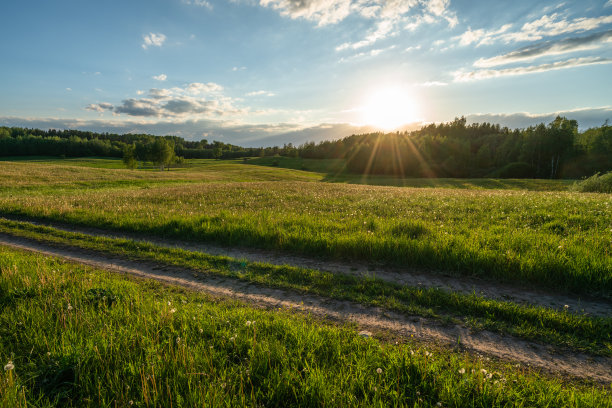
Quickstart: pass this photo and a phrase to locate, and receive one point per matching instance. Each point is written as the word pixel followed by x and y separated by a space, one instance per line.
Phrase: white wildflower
pixel 9 366
pixel 462 371
pixel 379 370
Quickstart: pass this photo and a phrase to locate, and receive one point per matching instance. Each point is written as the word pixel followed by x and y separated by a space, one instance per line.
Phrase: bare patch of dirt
pixel 403 276
pixel 527 353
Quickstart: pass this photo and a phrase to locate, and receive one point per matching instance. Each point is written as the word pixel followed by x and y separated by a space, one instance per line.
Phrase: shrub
pixel 597 183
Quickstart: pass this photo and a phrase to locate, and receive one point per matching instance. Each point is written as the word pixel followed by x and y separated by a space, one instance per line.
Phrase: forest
pixel 453 149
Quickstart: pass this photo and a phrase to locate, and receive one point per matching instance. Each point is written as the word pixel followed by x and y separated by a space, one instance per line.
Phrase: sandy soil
pixel 526 353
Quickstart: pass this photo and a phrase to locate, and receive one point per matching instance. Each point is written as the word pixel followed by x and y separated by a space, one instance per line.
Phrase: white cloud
pixel 194 100
pixel 480 36
pixel 549 48
pixel 69 89
pixel 153 40
pixel 99 107
pixel 160 77
pixel 546 26
pixel 200 3
pixel 260 93
pixel 461 76
pixel 608 4
pixel 390 16
pixel 235 69
pixel 432 83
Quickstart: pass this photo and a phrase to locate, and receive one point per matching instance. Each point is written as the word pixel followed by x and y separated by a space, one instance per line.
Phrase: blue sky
pixel 260 72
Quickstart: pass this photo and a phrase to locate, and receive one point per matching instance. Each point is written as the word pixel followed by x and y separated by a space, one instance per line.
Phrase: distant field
pixel 75 336
pixel 555 240
pixel 334 172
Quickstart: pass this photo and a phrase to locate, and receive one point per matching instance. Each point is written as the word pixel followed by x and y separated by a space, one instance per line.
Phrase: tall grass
pixel 597 183
pixel 559 241
pixel 556 327
pixel 81 337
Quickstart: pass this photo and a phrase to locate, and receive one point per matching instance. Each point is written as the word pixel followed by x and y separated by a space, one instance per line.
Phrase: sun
pixel 389 108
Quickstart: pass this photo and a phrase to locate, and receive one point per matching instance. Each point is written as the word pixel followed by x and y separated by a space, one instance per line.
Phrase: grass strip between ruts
pixel 560 328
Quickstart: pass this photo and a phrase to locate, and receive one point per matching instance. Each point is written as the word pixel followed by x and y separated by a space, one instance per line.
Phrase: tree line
pixel 453 149
pixel 456 149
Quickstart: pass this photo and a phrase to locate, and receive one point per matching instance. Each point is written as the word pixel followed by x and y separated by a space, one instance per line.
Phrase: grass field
pixel 572 330
pixel 552 239
pixel 75 336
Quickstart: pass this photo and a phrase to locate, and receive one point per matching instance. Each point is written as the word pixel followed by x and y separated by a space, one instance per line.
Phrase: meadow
pixel 556 240
pixel 75 336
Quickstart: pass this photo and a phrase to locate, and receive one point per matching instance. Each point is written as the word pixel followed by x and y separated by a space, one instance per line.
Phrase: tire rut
pixel 546 358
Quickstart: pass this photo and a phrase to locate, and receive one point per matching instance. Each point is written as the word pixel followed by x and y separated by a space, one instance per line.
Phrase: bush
pixel 597 183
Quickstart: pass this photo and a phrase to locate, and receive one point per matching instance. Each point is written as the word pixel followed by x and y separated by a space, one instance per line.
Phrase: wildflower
pixel 173 310
pixel 178 340
pixel 131 402
pixel 9 366
pixel 379 370
pixel 566 307
pixel 201 330
pixel 184 302
pixel 375 389
pixel 169 303
pixel 438 404
pixel 232 338
pixel 69 307
pixel 462 371
pixel 248 323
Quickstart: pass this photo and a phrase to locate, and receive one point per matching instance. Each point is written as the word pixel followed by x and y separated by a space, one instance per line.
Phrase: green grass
pixel 553 240
pixel 578 332
pixel 335 172
pixel 83 337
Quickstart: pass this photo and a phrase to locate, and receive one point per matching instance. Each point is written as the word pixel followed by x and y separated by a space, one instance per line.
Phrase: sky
pixel 269 72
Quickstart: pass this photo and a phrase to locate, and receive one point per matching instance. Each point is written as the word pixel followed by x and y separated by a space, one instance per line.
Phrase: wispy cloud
pixel 545 26
pixel 390 16
pixel 432 83
pixel 260 93
pixel 160 77
pixel 200 3
pixel 549 48
pixel 461 76
pixel 153 40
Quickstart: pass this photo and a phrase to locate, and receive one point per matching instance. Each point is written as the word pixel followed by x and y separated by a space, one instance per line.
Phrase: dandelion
pixel 232 338
pixel 9 366
pixel 173 310
pixel 248 323
pixel 69 307
pixel 201 330
pixel 566 307
pixel 462 371
pixel 379 370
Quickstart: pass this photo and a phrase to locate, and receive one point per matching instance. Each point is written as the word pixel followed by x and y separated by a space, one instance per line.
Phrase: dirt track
pixel 404 276
pixel 486 343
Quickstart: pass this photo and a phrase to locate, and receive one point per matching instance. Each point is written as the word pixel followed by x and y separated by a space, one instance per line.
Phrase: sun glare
pixel 389 109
